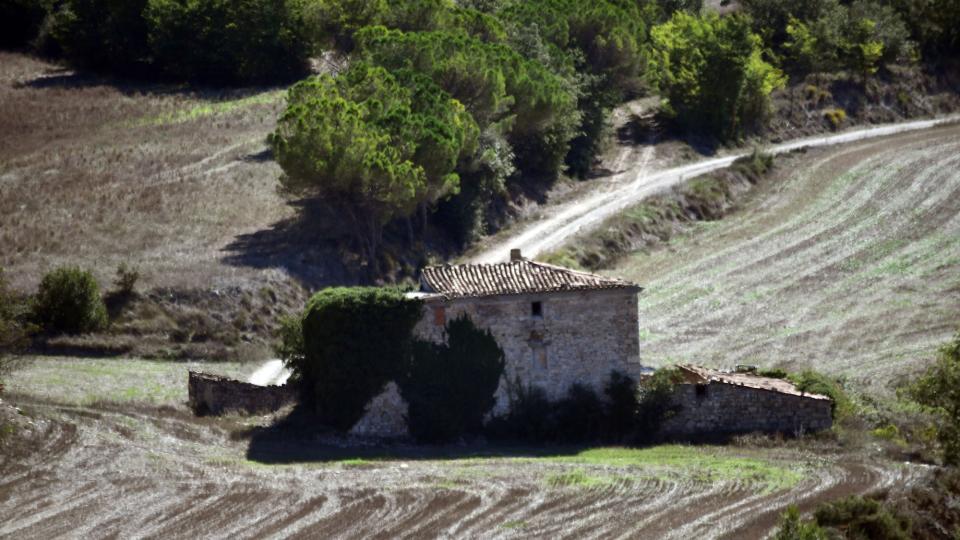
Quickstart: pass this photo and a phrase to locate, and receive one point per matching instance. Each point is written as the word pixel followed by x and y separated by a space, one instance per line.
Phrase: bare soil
pixel 108 470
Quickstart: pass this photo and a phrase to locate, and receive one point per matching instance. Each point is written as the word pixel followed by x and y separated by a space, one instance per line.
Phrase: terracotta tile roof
pixel 701 375
pixel 514 277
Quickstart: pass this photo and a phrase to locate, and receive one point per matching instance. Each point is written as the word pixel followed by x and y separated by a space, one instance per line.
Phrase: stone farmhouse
pixel 556 326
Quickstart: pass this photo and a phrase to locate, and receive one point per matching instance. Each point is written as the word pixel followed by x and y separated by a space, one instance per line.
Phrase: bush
pixel 836 117
pixel 852 517
pixel 20 21
pixel 622 408
pixel 655 403
pixel 107 36
pixel 531 417
pixel 813 382
pixel 126 280
pixel 579 417
pixel 69 301
pixel 227 42
pixel 938 389
pixel 355 341
pixel 449 387
pixel 711 71
pixel 13 331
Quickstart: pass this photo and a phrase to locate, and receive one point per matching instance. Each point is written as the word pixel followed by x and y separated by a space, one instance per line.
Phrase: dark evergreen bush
pixel 355 341
pixel 20 21
pixel 226 41
pixel 108 36
pixel 655 403
pixel 579 416
pixel 449 387
pixel 621 408
pixel 69 302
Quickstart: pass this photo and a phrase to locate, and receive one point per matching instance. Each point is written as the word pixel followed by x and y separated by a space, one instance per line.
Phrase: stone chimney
pixel 515 255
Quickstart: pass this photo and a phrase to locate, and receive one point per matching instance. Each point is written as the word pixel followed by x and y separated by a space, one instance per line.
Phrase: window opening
pixel 536 309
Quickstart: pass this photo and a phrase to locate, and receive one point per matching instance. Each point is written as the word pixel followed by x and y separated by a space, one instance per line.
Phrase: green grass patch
pixel 699 463
pixel 83 381
pixel 214 108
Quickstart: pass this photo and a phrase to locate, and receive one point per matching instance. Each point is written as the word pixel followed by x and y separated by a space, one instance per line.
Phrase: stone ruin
pixel 214 394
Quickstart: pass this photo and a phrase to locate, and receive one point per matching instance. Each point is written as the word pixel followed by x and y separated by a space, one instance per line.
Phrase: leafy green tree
pixel 939 390
pixel 711 72
pixel 862 50
pixel 108 36
pixel 69 301
pixel 355 340
pixel 496 84
pixel 335 22
pixel 380 145
pixel 450 387
pixel 227 41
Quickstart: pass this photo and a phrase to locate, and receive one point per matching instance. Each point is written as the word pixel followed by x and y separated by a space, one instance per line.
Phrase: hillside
pixel 848 263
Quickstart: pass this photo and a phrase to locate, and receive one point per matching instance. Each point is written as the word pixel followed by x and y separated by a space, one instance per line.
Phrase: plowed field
pixel 851 265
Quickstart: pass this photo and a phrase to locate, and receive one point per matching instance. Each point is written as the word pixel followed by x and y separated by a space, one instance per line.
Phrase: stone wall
pixel 385 415
pixel 579 337
pixel 213 394
pixel 717 409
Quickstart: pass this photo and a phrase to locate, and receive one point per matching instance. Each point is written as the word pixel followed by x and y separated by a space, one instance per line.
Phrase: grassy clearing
pixel 83 381
pixel 214 108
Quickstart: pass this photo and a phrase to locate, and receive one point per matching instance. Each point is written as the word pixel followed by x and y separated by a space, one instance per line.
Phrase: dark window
pixel 536 309
pixel 701 390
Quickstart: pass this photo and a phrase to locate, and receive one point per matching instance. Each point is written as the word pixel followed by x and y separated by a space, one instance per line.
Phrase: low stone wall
pixel 721 409
pixel 213 394
pixel 385 416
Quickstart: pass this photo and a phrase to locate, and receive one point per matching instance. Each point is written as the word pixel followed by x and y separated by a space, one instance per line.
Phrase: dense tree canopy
pixel 711 73
pixel 379 144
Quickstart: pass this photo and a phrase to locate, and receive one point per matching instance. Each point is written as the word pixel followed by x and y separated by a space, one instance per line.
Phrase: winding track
pixel 627 188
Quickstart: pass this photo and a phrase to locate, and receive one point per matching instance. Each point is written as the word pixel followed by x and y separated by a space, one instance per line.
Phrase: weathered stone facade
pixel 384 416
pixel 213 394
pixel 718 408
pixel 552 339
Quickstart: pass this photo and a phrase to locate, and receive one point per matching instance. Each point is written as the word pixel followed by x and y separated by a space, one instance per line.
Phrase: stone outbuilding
pixel 556 326
pixel 714 402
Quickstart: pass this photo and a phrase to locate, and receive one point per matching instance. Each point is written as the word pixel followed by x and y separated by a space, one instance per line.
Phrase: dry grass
pixel 97 173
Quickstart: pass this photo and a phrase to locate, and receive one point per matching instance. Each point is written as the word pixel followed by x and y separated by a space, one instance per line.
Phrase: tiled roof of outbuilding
pixel 514 277
pixel 701 375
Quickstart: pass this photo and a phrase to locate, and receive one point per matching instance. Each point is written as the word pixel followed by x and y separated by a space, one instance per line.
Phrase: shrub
pixel 355 341
pixel 621 408
pixel 656 403
pixel 20 21
pixel 938 389
pixel 227 42
pixel 531 417
pixel 290 346
pixel 126 280
pixel 793 527
pixel 69 301
pixel 449 387
pixel 861 517
pixel 13 331
pixel 108 36
pixel 835 117
pixel 712 73
pixel 579 416
pixel 813 382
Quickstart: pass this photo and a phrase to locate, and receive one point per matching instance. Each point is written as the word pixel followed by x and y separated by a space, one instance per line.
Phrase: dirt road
pixel 627 188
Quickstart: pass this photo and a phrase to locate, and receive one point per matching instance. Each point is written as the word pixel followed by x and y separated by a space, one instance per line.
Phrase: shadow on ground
pixel 297 439
pixel 305 246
